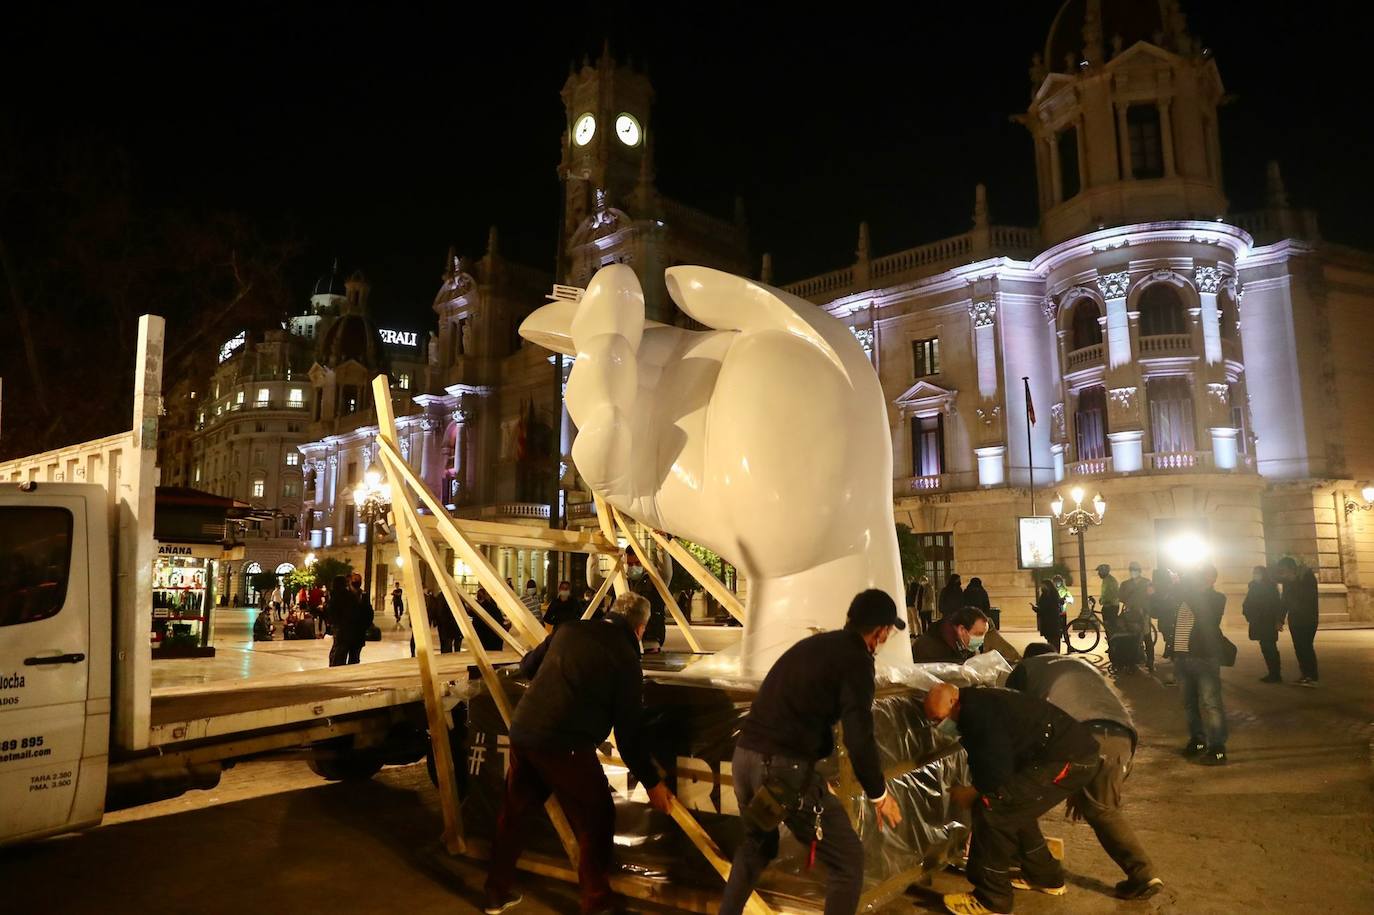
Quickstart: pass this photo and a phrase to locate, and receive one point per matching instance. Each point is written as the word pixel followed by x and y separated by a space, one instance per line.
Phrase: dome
pixel 351 336
pixel 329 283
pixel 1132 20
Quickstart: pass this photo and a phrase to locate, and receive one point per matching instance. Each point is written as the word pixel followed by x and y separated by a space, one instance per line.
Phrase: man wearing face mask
pixel 1027 757
pixel 957 637
pixel 563 609
pixel 823 679
pixel 641 584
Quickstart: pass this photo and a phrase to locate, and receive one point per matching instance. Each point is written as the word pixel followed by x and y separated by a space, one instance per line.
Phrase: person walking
pixel 563 608
pixel 956 638
pixel 398 606
pixel 1109 599
pixel 925 602
pixel 823 679
pixel 349 618
pixel 487 636
pixel 975 595
pixel 1077 687
pixel 1049 614
pixel 1026 757
pixel 1134 595
pixel 450 634
pixel 1300 606
pixel 584 681
pixel 1198 653
pixel 951 595
pixel 1263 610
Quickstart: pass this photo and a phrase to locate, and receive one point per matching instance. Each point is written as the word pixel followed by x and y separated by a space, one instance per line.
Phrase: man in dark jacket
pixel 951 595
pixel 1027 757
pixel 821 680
pixel 956 638
pixel 563 608
pixel 1263 609
pixel 1198 652
pixel 450 634
pixel 1300 604
pixel 586 679
pixel 350 617
pixel 1074 685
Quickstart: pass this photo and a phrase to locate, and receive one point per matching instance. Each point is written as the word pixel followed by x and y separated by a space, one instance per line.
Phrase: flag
pixel 1030 407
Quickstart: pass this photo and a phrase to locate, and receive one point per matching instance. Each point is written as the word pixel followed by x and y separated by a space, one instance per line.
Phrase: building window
pixel 1068 162
pixel 1171 415
pixel 925 355
pixel 1142 127
pixel 257 457
pixel 196 475
pixel 288 524
pixel 349 524
pixel 1161 311
pixel 1238 420
pixel 1086 326
pixel 938 550
pixel 1090 424
pixel 927 445
pixel 264 396
pixel 293 458
pixel 352 472
pixel 297 397
pixel 238 398
pixel 403 381
pixel 259 487
pixel 290 490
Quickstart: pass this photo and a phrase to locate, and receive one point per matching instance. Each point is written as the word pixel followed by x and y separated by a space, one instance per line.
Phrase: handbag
pixel 1228 652
pixel 775 801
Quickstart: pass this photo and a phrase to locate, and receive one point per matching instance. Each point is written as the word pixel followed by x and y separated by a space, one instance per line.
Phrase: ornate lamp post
pixel 1351 506
pixel 1077 521
pixel 373 498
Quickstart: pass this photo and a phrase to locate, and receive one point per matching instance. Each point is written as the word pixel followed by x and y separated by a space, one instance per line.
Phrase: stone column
pixel 1057 455
pixel 1126 435
pixel 991 465
pixel 1208 279
pixel 1114 287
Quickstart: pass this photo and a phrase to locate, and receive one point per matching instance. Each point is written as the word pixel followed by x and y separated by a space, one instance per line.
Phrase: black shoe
pixel 1192 749
pixel 1310 682
pixel 1212 758
pixel 497 905
pixel 1138 889
pixel 1271 678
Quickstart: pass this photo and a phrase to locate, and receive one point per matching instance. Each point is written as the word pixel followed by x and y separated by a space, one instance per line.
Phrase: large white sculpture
pixel 764 439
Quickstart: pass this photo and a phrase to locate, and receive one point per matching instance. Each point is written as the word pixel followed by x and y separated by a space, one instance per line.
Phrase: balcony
pixel 1093 467
pixel 1166 345
pixel 1085 357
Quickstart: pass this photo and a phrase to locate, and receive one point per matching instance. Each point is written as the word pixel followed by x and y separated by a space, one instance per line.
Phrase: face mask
pixel 949 729
pixel 975 642
pixel 564 594
pixel 635 572
pixel 529 592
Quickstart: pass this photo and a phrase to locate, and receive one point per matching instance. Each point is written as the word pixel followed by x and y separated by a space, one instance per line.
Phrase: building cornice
pixel 1121 239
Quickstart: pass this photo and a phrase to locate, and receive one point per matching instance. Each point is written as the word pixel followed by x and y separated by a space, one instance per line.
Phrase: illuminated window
pixel 259 487
pixel 293 458
pixel 403 382
pixel 297 397
pixel 925 356
pixel 1171 414
pixel 264 395
pixel 197 474
pixel 1090 424
pixel 290 490
pixel 238 398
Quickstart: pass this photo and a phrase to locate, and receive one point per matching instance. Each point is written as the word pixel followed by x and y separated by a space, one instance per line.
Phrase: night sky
pixel 382 133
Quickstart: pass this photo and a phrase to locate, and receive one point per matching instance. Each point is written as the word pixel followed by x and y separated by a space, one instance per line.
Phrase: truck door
pixel 44 657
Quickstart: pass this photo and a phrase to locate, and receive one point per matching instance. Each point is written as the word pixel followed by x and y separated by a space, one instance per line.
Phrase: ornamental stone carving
pixel 1123 398
pixel 989 423
pixel 1123 408
pixel 1208 279
pixel 982 313
pixel 405 447
pixel 989 415
pixel 1049 308
pixel 1165 276
pixel 865 337
pixel 1114 285
pixel 1057 421
pixel 333 462
pixel 1220 393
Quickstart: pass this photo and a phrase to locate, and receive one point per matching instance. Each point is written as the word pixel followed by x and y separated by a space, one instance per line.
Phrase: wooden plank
pixel 600 594
pixel 429 679
pixel 522 535
pixel 703 575
pixel 669 604
pixel 603 518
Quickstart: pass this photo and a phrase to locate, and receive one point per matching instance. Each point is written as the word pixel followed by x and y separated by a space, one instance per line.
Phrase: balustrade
pixel 1087 356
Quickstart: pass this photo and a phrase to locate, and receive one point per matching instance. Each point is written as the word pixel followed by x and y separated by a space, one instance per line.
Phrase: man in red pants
pixel 586 679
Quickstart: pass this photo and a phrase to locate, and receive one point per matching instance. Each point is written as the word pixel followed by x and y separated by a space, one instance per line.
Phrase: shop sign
pixel 191 550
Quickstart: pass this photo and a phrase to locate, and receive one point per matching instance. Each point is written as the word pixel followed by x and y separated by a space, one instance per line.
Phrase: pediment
pixel 926 399
pixel 1142 52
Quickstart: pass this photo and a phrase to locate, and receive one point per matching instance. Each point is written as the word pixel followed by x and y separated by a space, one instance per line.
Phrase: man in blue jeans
pixel 1198 649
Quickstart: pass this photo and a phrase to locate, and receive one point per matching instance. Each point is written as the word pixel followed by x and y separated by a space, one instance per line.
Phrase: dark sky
pixel 385 132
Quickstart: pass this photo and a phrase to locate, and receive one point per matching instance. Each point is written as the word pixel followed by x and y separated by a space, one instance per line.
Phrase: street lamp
pixel 1352 506
pixel 1077 521
pixel 373 498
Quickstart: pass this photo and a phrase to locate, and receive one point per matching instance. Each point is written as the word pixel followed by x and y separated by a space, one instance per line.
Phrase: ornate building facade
pixel 1202 369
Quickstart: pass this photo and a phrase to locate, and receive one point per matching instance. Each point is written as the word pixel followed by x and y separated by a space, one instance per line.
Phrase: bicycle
pixel 1084 629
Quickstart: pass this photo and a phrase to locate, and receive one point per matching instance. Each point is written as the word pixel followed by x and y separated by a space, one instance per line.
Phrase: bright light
pixel 1057 505
pixel 1368 493
pixel 1187 551
pixel 360 496
pixel 373 479
pixel 1099 505
pixel 400 561
pixel 310 559
pixel 1077 495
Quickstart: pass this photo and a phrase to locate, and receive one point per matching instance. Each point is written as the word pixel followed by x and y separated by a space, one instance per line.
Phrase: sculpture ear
pixel 551 326
pixel 728 302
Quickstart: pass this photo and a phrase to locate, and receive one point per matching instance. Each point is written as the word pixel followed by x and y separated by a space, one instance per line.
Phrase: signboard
pixel 399 337
pixel 1035 542
pixel 192 550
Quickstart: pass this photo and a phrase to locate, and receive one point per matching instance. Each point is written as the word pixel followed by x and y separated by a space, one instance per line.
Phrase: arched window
pixel 1090 422
pixel 1161 311
pixel 1227 315
pixel 1086 331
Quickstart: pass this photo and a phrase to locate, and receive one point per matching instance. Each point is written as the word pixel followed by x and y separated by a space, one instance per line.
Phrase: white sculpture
pixel 765 439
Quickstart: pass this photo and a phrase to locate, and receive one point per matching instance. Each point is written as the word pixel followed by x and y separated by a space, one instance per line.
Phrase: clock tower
pixel 605 144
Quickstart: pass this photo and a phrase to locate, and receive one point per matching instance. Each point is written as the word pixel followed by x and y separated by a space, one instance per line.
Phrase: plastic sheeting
pixel 693 725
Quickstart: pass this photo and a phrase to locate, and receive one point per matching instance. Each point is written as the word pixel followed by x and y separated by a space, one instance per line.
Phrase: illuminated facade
pixel 1204 370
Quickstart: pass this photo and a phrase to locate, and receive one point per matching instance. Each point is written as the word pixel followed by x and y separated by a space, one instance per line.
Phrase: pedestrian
pixel 951 595
pixel 925 603
pixel 1300 606
pixel 1074 685
pixel 531 598
pixel 563 608
pixel 1109 599
pixel 397 604
pixel 1065 595
pixel 1049 620
pixel 975 595
pixel 1134 595
pixel 956 638
pixel 640 583
pixel 486 635
pixel 823 679
pixel 1164 604
pixel 450 635
pixel 1263 610
pixel 584 681
pixel 1198 653
pixel 349 618
pixel 1026 757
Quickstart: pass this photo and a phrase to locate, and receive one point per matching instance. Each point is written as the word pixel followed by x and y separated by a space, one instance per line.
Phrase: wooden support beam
pixel 521 535
pixel 600 594
pixel 429 679
pixel 603 518
pixel 703 575
pixel 668 602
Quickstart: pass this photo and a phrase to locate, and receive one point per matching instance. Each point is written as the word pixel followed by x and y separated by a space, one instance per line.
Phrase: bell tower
pixel 606 140
pixel 1124 118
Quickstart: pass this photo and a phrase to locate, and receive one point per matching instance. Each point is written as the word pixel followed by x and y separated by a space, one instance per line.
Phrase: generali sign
pixel 400 337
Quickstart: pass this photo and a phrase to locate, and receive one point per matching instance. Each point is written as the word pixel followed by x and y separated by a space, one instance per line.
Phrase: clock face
pixel 584 129
pixel 628 130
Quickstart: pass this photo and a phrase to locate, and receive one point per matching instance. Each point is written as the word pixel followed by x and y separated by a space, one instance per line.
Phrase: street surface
pixel 1287 827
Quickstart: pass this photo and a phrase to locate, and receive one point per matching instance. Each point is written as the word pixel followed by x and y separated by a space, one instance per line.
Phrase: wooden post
pixel 657 579
pixel 429 676
pixel 600 594
pixel 703 575
pixel 603 518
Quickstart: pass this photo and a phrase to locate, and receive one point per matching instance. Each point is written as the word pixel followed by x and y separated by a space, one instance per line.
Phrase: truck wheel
pixel 337 762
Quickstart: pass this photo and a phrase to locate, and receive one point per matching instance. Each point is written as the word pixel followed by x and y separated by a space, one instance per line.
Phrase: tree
pixel 328 568
pixel 909 548
pixel 303 577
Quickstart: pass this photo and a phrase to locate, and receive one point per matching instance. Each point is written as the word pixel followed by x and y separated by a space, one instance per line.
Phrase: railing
pixel 1163 344
pixel 1088 355
pixel 516 510
pixel 1092 467
pixel 1179 460
pixel 1015 240
pixel 936 252
pixel 816 286
pixel 580 511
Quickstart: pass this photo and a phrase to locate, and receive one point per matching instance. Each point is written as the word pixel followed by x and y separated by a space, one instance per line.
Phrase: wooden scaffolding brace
pixel 413 539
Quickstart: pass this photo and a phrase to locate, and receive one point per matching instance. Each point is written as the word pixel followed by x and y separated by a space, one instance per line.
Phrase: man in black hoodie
pixel 585 679
pixel 821 680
